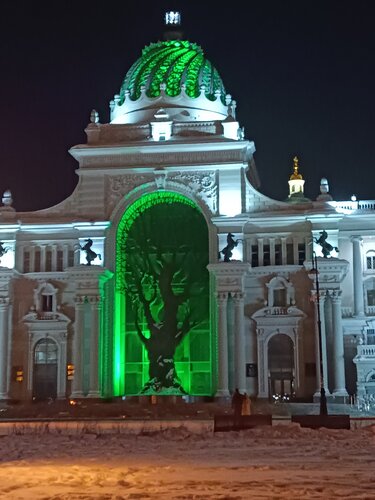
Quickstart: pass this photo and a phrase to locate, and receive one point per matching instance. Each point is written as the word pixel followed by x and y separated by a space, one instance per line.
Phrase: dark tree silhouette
pixel 165 287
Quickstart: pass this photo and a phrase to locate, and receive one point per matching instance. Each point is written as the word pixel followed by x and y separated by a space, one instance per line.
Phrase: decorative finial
pixel 172 21
pixel 94 116
pixel 324 191
pixel 7 198
pixel 173 18
pixel 295 175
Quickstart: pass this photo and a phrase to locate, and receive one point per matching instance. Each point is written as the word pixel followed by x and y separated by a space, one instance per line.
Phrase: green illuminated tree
pixel 167 289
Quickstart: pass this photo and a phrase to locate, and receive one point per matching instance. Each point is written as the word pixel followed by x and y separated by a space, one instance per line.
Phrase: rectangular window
pixel 254 256
pixel 278 260
pixel 70 258
pixel 289 254
pixel 301 253
pixel 26 262
pixel 48 260
pixel 371 297
pixel 59 263
pixel 266 255
pixel 279 297
pixel 37 261
pixel 46 303
pixel 370 260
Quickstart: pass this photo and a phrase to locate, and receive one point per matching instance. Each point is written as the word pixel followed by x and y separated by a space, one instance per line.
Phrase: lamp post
pixel 323 399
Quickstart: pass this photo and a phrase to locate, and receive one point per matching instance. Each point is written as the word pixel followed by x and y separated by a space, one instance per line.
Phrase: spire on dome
pixel 295 175
pixel 172 20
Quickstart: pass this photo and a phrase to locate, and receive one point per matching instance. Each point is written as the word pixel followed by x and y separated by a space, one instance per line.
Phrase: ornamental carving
pixel 119 185
pixel 165 159
pixel 202 184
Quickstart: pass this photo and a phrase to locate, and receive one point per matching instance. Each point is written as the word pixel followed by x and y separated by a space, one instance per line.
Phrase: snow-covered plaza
pixel 282 461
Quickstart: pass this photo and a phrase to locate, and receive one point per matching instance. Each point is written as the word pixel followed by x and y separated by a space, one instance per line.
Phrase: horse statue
pixel 3 249
pixel 227 251
pixel 90 254
pixel 326 247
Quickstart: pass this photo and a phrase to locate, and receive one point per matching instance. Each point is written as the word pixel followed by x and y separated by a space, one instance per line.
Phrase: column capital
pixel 230 276
pixel 222 297
pixel 335 295
pixel 356 238
pixel 238 296
pixel 79 300
pixel 4 302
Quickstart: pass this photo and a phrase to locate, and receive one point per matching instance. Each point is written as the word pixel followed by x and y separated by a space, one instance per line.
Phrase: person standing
pixel 237 399
pixel 246 405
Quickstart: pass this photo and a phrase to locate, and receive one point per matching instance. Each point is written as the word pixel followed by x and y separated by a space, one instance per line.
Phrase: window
pixel 266 255
pixel 371 297
pixel 278 260
pixel 301 253
pixel 71 258
pixel 47 303
pixel 254 256
pixel 370 260
pixel 289 253
pixel 45 352
pixel 279 297
pixel 26 262
pixel 59 260
pixel 37 261
pixel 49 260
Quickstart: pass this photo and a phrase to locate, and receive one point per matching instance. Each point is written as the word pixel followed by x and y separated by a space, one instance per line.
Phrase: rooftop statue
pixel 3 249
pixel 90 254
pixel 326 247
pixel 227 250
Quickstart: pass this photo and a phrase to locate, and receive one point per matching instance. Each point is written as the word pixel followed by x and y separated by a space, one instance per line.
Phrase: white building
pixel 162 187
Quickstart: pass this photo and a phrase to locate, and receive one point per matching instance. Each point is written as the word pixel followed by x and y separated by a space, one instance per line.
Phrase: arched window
pixel 369 286
pixel 45 352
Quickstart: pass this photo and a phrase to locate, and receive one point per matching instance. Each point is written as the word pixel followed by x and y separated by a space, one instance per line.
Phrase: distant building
pixel 167 270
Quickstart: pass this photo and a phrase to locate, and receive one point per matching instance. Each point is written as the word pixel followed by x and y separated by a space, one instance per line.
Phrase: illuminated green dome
pixel 172 63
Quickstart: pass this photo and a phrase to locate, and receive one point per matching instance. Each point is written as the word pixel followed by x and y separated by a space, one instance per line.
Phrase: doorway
pixel 45 370
pixel 281 367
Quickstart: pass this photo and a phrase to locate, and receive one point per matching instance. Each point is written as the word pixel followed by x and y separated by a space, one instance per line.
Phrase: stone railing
pixel 346 312
pixel 353 205
pixel 366 350
pixel 277 311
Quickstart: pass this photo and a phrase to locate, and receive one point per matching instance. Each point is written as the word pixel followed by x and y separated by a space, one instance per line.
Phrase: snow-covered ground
pixel 283 461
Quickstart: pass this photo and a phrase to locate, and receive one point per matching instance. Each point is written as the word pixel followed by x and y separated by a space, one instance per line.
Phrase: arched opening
pixel 162 338
pixel 281 367
pixel 45 370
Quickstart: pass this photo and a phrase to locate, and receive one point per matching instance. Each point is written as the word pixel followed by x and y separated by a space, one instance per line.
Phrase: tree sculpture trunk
pixel 161 289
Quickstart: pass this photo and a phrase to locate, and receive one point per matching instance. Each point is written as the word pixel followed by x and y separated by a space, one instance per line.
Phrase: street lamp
pixel 323 399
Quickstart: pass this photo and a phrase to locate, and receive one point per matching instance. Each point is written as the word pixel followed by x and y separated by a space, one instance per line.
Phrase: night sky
pixel 302 73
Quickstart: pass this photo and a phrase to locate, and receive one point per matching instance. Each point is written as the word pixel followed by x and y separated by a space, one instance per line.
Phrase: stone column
pixel 239 342
pixel 321 305
pixel 252 356
pixel 359 309
pixel 4 348
pixel 338 345
pixel 77 388
pixel 223 383
pixel 61 368
pixel 94 391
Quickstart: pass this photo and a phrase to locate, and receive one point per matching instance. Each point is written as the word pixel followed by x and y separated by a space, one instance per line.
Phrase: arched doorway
pixel 45 370
pixel 281 367
pixel 162 336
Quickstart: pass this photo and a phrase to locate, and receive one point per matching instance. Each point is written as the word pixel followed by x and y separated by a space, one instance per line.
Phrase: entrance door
pixel 281 367
pixel 45 370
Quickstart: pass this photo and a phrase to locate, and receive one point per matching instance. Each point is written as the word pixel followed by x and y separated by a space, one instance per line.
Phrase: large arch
pixel 161 299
